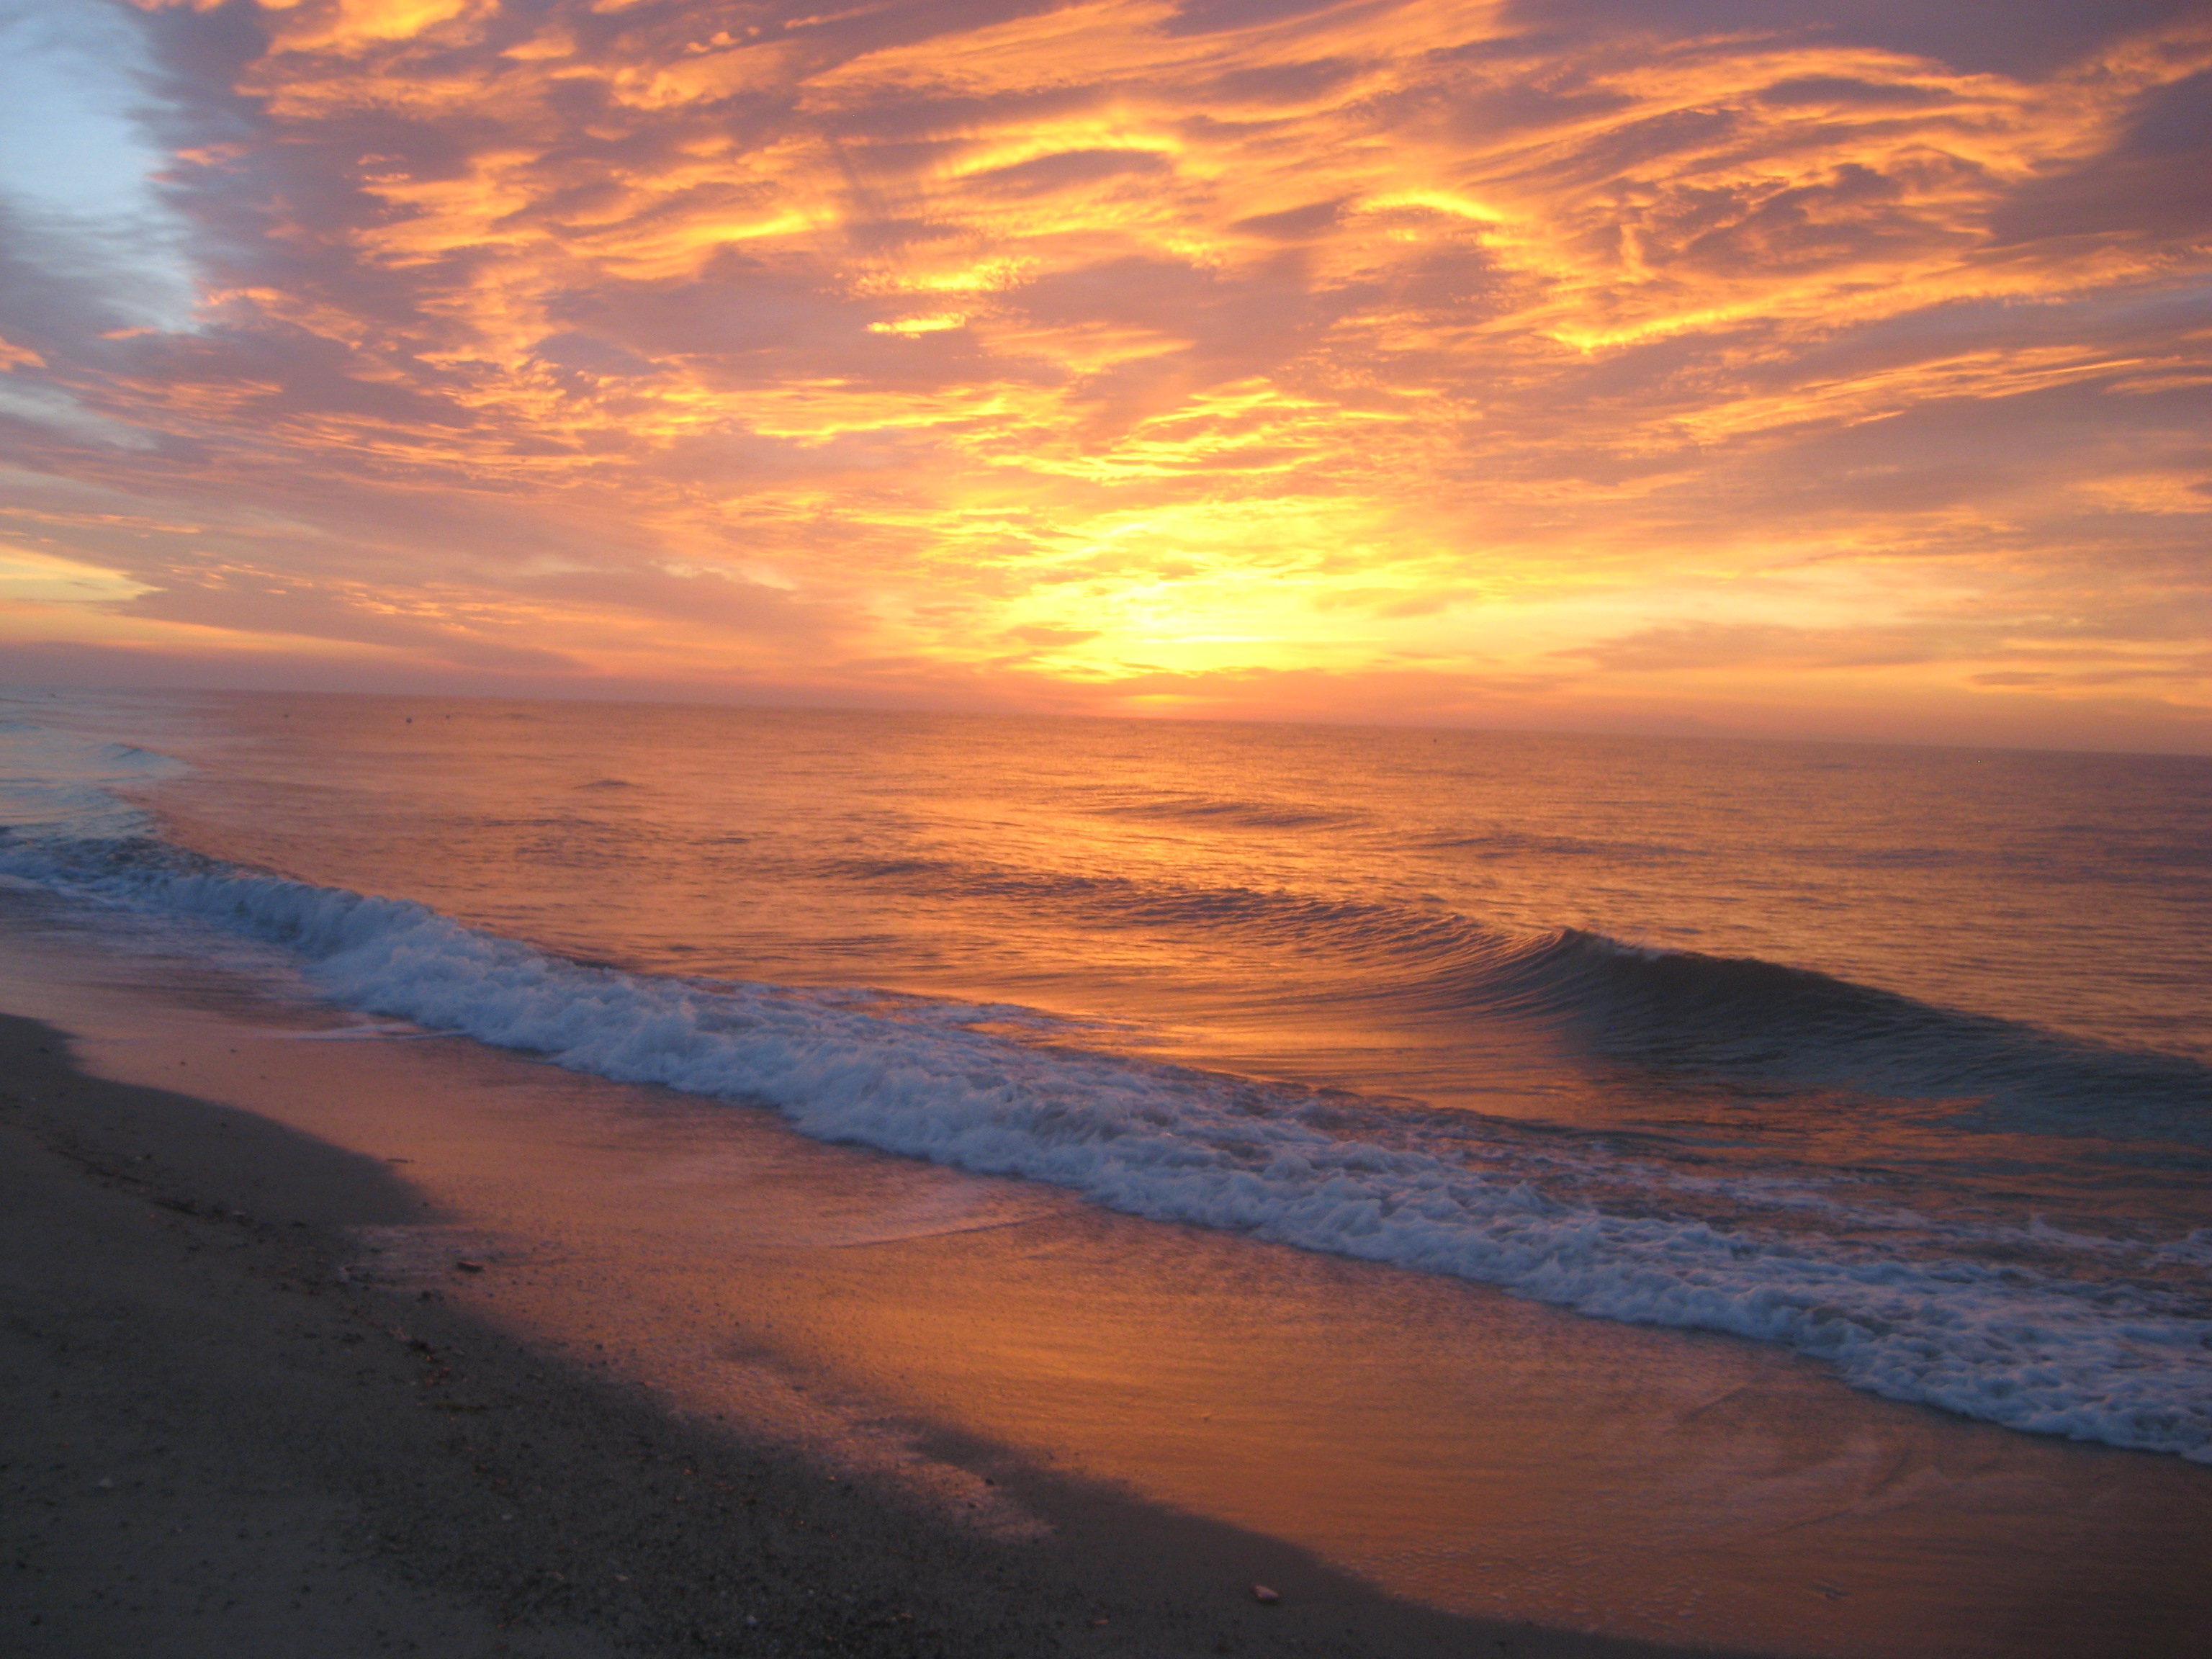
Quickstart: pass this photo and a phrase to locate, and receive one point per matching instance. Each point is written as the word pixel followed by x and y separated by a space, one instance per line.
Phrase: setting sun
pixel 1106 829
pixel 1443 362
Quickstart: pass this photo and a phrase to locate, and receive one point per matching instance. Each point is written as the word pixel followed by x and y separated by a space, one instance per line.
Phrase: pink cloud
pixel 1168 358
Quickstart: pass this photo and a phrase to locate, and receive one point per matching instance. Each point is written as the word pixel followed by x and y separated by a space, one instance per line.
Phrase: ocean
pixel 1895 1057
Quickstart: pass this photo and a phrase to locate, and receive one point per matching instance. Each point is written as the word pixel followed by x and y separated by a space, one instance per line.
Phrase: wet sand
pixel 218 1441
pixel 1036 1415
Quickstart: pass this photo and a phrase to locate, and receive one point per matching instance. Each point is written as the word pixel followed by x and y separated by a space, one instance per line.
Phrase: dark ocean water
pixel 1897 1056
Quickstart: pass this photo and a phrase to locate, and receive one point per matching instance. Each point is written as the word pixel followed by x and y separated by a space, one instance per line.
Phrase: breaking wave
pixel 2130 1368
pixel 1733 1018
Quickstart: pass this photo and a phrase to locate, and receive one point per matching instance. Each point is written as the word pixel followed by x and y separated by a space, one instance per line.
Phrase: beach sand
pixel 701 1370
pixel 214 1444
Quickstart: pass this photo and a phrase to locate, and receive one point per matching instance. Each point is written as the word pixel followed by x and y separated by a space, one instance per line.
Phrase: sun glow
pixel 1371 349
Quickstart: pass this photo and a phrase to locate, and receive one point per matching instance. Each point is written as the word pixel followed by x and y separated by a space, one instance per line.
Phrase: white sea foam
pixel 2128 1367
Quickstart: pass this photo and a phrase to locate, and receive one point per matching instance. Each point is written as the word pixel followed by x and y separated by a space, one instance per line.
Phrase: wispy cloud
pixel 1554 361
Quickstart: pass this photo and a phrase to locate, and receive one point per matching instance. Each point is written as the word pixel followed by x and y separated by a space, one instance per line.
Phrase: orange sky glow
pixel 1742 365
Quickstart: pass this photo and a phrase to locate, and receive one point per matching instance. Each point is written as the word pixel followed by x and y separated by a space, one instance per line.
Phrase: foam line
pixel 2129 1367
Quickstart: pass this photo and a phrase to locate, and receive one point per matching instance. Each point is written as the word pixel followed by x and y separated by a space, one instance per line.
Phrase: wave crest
pixel 1734 1020
pixel 2051 1356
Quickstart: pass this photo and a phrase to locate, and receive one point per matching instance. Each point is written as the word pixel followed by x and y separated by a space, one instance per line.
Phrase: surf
pixel 1321 1171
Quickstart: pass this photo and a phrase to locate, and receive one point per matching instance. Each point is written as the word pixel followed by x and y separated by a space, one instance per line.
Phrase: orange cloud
pixel 1463 356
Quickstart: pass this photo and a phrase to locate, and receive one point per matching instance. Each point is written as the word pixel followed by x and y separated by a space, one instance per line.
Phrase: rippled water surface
pixel 1897 1055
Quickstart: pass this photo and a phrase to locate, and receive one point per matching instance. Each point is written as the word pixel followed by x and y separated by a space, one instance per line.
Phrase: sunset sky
pixel 1832 368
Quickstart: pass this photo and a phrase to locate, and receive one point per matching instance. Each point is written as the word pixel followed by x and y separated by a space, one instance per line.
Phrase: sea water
pixel 1898 1057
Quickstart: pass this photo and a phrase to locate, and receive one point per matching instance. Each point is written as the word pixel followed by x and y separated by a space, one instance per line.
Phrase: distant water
pixel 1899 1057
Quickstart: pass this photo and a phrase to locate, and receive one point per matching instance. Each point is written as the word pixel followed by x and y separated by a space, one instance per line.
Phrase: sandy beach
pixel 217 1445
pixel 324 1336
pixel 1138 830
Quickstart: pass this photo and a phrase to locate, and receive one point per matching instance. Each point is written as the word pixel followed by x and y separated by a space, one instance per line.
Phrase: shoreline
pixel 218 1443
pixel 1041 1401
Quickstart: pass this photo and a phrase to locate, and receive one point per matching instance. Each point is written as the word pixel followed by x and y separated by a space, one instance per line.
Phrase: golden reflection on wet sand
pixel 1479 1453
